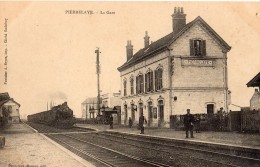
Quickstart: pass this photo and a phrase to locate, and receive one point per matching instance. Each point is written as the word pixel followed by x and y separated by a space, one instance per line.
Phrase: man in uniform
pixel 188 123
pixel 142 120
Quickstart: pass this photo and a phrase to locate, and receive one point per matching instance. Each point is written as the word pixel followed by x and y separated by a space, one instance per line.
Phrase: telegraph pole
pixel 98 87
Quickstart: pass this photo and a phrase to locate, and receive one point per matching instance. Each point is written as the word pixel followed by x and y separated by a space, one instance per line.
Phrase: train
pixel 60 116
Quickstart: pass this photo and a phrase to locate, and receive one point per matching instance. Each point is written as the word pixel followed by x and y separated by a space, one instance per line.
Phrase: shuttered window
pixel 139 84
pixel 197 47
pixel 158 79
pixel 149 81
pixel 132 86
pixel 124 87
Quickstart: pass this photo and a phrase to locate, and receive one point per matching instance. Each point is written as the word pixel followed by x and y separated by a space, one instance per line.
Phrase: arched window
pixel 139 84
pixel 158 79
pixel 132 85
pixel 149 81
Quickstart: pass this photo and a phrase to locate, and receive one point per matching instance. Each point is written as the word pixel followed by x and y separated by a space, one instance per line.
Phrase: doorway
pixel 125 110
pixel 133 113
pixel 161 113
pixel 210 108
pixel 150 113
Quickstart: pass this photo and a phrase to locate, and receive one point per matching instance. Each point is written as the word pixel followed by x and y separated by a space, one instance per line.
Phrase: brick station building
pixel 186 69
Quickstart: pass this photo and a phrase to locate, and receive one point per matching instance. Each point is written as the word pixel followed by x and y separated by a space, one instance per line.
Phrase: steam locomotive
pixel 60 116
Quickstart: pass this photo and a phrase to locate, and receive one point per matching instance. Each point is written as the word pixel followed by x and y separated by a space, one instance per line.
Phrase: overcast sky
pixel 51 55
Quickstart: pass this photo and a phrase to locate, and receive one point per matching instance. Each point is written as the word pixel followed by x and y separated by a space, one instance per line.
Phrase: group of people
pixel 141 123
pixel 189 122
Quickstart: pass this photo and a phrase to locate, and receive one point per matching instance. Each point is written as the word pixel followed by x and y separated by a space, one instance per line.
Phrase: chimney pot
pixel 178 19
pixel 129 50
pixel 146 39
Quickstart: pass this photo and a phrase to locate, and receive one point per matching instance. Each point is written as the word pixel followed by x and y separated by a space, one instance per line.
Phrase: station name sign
pixel 197 62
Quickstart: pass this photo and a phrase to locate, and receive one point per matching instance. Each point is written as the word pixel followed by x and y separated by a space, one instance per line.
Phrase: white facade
pixel 198 83
pixel 13 108
pixel 255 101
pixel 89 108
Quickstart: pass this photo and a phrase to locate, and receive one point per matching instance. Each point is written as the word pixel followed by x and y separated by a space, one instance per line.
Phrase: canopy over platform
pixel 255 82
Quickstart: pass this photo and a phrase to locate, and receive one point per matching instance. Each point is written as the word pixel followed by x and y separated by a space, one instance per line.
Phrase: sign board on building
pixel 197 62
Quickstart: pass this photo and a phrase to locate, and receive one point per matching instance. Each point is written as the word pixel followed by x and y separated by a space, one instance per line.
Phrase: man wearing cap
pixel 188 123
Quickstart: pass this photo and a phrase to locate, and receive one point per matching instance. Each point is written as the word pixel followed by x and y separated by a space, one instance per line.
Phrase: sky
pixel 51 54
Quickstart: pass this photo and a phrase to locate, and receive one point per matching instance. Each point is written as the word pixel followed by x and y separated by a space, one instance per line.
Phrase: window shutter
pixel 151 80
pixel 156 80
pixel 142 83
pixel 146 83
pixel 161 78
pixel 203 47
pixel 136 85
pixel 191 48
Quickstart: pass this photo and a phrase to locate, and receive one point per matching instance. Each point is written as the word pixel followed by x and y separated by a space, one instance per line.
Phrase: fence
pixel 250 120
pixel 245 120
pixel 212 122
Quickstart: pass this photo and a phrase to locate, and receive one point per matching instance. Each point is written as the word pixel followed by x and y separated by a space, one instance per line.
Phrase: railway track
pixel 103 155
pixel 212 154
pixel 119 149
pixel 95 153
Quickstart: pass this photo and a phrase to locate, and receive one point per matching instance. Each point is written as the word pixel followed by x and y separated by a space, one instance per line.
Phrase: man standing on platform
pixel 142 120
pixel 111 121
pixel 188 123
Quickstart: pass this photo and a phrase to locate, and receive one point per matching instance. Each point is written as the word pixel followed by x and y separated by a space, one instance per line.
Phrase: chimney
pixel 129 50
pixel 146 39
pixel 178 19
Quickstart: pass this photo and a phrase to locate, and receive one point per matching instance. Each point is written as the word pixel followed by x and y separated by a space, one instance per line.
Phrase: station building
pixel 9 105
pixel 108 102
pixel 186 69
pixel 255 99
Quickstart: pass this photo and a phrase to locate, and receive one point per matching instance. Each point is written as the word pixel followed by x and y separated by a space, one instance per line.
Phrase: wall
pixel 160 60
pixel 255 101
pixel 197 85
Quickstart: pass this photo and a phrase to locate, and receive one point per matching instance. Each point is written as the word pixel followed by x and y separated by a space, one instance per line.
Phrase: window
pixel 132 85
pixel 149 81
pixel 139 84
pixel 197 47
pixel 124 87
pixel 158 79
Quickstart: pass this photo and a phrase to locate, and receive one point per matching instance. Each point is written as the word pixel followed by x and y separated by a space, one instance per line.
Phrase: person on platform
pixel 142 120
pixel 188 123
pixel 130 122
pixel 197 123
pixel 111 121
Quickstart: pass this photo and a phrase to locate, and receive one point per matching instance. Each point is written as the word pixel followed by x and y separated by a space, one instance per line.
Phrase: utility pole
pixel 98 87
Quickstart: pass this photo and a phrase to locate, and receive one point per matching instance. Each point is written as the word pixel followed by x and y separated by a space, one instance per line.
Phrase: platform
pixel 223 138
pixel 25 147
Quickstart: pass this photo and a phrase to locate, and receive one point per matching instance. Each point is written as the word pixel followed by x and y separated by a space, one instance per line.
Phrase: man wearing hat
pixel 188 123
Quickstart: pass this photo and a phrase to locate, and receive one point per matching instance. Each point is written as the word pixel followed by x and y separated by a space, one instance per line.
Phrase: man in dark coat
pixel 142 120
pixel 188 123
pixel 130 122
pixel 111 121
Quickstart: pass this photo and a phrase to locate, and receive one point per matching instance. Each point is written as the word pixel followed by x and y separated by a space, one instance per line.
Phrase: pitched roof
pixel 255 82
pixel 91 100
pixel 4 96
pixel 5 101
pixel 163 43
